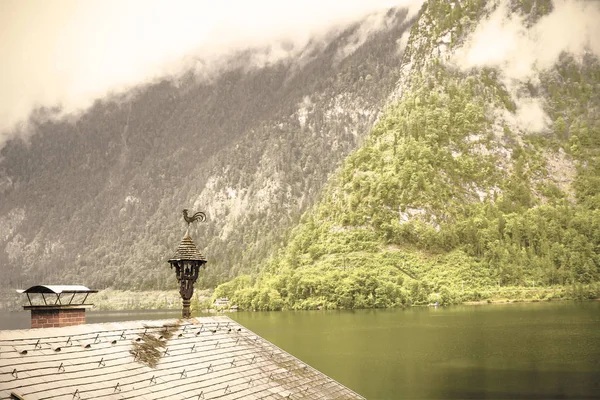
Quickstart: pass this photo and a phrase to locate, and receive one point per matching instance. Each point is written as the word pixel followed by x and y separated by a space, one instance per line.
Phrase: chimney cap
pixel 57 289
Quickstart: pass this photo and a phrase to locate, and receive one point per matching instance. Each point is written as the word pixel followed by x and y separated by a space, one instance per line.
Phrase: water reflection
pixel 534 383
pixel 543 350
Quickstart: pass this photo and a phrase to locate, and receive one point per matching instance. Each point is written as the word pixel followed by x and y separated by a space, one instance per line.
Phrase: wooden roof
pixel 200 358
pixel 187 250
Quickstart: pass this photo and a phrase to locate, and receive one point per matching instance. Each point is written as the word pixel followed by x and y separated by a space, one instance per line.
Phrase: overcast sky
pixel 70 52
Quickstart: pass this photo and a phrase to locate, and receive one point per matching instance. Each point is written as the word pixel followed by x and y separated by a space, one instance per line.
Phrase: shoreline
pixel 512 301
pixel 212 311
pixel 122 300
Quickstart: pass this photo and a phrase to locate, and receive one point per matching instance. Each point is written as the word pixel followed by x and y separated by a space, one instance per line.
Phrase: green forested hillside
pixel 96 199
pixel 447 200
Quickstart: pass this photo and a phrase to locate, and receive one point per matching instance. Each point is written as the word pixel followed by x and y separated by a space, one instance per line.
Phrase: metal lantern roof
pixel 57 289
pixel 65 296
pixel 187 251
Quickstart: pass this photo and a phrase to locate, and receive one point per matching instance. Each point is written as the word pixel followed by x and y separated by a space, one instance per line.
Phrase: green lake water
pixel 514 351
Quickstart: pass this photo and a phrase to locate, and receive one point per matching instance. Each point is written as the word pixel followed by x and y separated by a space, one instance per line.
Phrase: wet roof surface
pixel 199 358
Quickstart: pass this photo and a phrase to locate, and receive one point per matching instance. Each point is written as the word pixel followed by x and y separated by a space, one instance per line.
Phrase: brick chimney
pixel 54 306
pixel 53 317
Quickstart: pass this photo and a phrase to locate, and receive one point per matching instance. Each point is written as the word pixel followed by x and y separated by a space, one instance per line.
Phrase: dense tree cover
pixel 96 199
pixel 447 202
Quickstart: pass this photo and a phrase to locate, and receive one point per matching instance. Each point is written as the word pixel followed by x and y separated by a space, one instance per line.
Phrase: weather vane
pixel 199 216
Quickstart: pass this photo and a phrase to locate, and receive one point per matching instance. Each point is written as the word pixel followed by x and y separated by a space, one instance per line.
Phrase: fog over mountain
pixel 96 197
pixel 347 155
pixel 521 48
pixel 63 55
pixel 479 181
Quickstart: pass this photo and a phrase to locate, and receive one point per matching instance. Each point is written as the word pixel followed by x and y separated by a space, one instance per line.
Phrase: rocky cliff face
pixel 96 199
pixel 478 181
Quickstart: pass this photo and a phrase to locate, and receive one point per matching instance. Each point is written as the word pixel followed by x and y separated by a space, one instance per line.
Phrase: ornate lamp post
pixel 187 261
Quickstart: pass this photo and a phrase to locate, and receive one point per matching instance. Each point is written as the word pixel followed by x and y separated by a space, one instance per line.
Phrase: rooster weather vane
pixel 199 216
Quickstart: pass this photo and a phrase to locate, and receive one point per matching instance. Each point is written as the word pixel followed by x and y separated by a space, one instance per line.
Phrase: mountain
pixel 474 184
pixel 96 198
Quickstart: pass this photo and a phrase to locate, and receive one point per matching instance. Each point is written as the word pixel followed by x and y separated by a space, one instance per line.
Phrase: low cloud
pixel 65 54
pixel 403 41
pixel 504 41
pixel 530 115
pixel 373 23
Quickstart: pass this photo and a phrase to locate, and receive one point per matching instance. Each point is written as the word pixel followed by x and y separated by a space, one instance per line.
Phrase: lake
pixel 516 351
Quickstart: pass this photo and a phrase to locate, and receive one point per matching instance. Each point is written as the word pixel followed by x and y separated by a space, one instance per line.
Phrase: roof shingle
pixel 199 358
pixel 187 250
